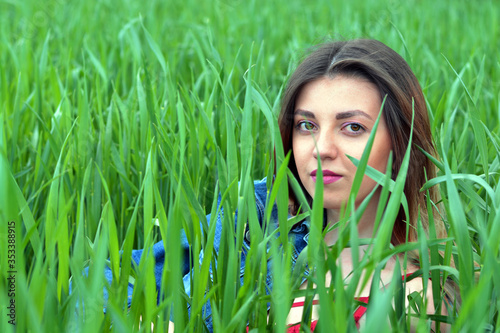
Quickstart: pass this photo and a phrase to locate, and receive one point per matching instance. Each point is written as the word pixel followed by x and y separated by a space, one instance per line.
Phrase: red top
pixel 360 311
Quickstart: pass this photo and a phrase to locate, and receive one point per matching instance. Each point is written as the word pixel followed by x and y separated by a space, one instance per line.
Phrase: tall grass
pixel 122 124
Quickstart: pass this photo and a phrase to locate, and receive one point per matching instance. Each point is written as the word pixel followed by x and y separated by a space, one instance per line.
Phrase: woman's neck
pixel 365 223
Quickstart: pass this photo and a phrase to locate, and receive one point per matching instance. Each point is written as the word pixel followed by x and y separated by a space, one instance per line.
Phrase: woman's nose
pixel 325 147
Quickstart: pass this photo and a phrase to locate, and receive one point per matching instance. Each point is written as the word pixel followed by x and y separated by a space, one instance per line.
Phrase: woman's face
pixel 332 118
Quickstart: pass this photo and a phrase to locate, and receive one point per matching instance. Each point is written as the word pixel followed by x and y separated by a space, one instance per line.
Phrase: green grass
pixel 118 114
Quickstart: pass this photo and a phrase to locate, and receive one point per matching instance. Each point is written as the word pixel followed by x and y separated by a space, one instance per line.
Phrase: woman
pixel 329 110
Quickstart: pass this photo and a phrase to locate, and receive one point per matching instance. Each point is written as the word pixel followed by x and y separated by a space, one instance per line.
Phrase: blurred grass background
pixel 116 113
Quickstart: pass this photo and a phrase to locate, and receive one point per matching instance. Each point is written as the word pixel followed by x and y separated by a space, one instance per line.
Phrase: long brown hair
pixel 379 64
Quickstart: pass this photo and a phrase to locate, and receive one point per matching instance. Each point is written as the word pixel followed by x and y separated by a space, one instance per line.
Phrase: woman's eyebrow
pixel 304 113
pixel 353 113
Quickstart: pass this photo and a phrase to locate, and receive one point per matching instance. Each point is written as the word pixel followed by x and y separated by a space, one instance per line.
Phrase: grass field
pixel 122 120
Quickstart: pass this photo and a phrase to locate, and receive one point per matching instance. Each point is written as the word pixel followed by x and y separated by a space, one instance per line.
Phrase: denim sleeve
pixel 158 251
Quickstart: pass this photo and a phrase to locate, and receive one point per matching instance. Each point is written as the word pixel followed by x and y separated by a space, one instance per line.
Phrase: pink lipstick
pixel 328 176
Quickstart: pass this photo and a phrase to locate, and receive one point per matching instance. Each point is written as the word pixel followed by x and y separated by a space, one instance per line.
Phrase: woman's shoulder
pixel 261 190
pixel 261 185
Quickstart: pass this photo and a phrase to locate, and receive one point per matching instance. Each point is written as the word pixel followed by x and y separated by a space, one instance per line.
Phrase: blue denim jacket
pixel 298 234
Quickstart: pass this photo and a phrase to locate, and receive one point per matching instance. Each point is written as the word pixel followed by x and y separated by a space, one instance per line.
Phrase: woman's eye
pixel 306 126
pixel 354 128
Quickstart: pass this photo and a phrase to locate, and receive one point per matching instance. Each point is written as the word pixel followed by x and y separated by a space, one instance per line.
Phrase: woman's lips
pixel 328 176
